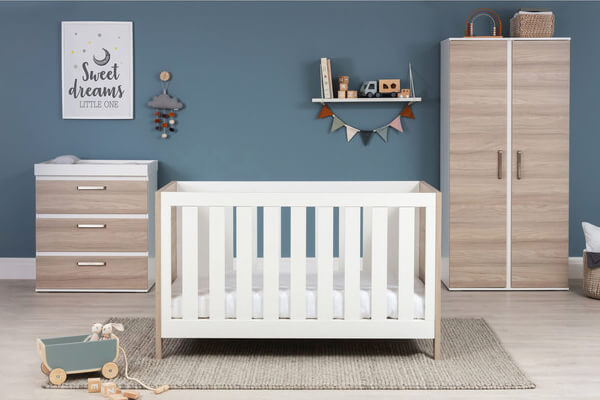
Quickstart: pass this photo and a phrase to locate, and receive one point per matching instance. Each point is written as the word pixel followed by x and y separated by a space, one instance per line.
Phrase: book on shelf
pixel 326 81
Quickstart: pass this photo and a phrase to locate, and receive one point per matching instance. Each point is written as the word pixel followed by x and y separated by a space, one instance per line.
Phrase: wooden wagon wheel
pixel 110 370
pixel 45 369
pixel 57 376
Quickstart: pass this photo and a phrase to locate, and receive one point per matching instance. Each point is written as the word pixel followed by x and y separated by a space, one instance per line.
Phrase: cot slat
pixel 430 249
pixel 298 263
pixel 229 238
pixel 379 264
pixel 342 237
pixel 351 227
pixel 189 252
pixel 217 255
pixel 245 239
pixel 366 238
pixel 272 256
pixel 393 244
pixel 406 263
pixel 324 253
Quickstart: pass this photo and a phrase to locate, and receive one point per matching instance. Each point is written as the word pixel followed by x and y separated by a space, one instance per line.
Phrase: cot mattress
pixel 311 297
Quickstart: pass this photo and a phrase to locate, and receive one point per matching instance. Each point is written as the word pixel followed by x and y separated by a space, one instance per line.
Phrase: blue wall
pixel 246 72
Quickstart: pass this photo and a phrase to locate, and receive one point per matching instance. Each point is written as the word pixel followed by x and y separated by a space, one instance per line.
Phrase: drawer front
pixel 91 273
pixel 97 234
pixel 91 197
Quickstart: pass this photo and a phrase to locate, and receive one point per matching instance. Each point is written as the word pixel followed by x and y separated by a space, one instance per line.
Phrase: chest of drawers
pixel 95 225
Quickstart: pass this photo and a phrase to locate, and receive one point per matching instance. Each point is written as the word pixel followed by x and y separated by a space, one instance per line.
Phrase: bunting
pixel 350 133
pixel 383 132
pixel 365 135
pixel 325 112
pixel 336 123
pixel 406 112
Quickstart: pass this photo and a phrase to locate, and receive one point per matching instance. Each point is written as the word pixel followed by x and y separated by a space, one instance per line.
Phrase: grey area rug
pixel 473 358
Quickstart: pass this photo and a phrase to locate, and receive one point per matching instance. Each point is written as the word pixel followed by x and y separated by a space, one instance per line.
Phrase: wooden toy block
pixel 389 85
pixel 110 388
pixel 341 94
pixel 405 93
pixel 132 394
pixel 94 385
pixel 343 79
pixel 117 396
pixel 343 86
pixel 351 94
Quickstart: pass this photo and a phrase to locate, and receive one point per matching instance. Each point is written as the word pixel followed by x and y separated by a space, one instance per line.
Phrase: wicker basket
pixel 532 25
pixel 591 279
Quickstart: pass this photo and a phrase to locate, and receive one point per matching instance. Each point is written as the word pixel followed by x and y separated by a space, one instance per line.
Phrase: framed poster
pixel 97 70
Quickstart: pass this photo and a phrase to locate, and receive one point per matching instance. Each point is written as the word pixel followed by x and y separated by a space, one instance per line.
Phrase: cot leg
pixel 437 349
pixel 158 348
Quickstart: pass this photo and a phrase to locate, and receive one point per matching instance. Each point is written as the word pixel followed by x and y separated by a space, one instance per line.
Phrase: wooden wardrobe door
pixel 478 90
pixel 540 132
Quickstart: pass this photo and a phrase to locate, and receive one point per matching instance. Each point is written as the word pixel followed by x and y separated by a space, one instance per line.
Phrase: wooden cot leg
pixel 437 349
pixel 158 348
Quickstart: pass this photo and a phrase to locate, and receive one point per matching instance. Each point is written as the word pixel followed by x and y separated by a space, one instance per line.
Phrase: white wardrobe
pixel 505 163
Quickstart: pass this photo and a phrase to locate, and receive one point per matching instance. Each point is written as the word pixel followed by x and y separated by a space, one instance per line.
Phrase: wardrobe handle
pixel 91 226
pixel 500 152
pixel 519 156
pixel 91 263
pixel 91 187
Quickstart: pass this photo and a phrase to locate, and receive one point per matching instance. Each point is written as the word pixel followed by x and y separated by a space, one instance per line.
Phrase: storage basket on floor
pixel 534 25
pixel 591 275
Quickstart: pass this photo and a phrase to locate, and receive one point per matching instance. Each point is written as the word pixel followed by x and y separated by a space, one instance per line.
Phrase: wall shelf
pixel 369 100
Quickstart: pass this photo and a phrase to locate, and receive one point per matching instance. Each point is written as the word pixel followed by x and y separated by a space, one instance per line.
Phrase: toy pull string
pixel 157 390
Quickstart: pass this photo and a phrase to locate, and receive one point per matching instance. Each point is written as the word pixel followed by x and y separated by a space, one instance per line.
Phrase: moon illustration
pixel 105 60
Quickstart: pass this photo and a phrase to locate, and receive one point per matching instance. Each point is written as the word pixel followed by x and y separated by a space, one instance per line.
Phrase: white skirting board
pixel 17 268
pixel 24 268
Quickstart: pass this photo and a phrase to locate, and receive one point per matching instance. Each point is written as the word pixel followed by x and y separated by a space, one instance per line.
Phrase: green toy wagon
pixel 71 355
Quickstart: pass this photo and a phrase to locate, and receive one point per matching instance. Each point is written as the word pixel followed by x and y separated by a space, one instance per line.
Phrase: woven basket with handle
pixel 532 25
pixel 591 279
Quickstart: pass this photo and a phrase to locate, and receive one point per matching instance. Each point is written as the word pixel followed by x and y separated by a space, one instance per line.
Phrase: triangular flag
pixel 366 136
pixel 383 132
pixel 407 112
pixel 396 124
pixel 325 112
pixel 350 133
pixel 336 124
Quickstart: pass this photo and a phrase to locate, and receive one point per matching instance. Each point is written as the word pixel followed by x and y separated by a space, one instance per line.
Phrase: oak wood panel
pixel 117 197
pixel 58 234
pixel 540 131
pixel 118 273
pixel 478 90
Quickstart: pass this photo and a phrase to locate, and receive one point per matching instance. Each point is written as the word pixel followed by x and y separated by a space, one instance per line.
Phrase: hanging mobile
pixel 165 107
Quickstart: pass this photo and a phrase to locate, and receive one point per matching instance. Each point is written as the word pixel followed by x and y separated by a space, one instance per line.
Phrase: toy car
pixel 381 88
pixel 71 355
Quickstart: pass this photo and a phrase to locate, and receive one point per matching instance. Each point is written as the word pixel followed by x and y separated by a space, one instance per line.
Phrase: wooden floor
pixel 553 336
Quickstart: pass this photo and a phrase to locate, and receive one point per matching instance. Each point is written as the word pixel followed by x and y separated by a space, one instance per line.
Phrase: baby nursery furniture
pixel 71 355
pixel 225 290
pixel 505 163
pixel 93 228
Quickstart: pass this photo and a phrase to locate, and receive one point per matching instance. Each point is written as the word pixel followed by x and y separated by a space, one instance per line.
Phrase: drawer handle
pixel 500 152
pixel 91 187
pixel 91 226
pixel 91 263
